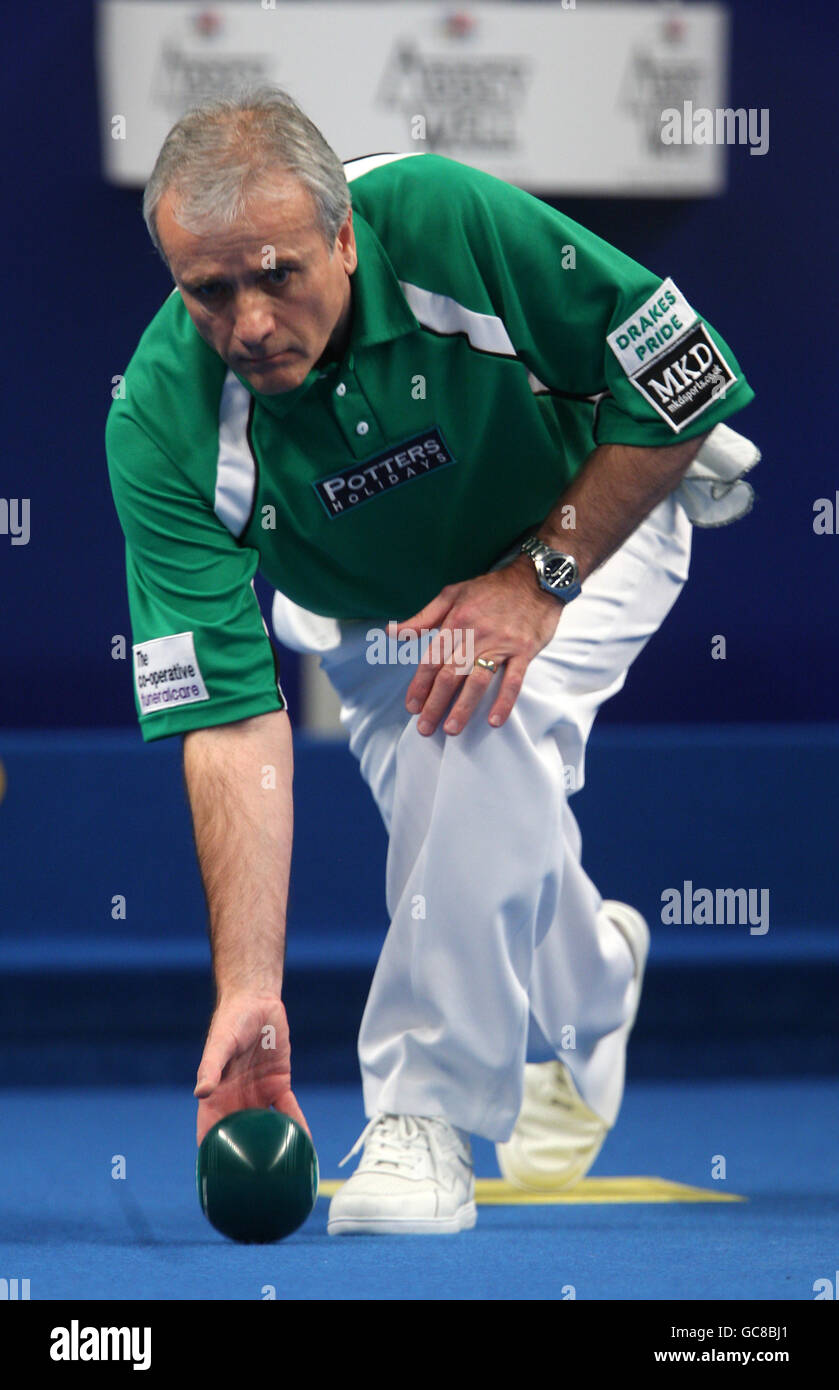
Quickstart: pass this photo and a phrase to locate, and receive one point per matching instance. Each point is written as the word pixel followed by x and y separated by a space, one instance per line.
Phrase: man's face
pixel 265 293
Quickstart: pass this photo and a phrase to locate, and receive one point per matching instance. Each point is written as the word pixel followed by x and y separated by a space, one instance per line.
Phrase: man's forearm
pixel 239 779
pixel 616 489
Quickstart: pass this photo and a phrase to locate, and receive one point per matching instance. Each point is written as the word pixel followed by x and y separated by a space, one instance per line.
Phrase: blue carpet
pixel 76 1233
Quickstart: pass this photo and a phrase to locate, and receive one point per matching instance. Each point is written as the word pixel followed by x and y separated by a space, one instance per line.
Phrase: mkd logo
pixel 686 379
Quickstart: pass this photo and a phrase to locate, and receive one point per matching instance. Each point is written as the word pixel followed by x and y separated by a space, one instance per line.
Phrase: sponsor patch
pixel 652 329
pixel 167 674
pixel 413 458
pixel 686 379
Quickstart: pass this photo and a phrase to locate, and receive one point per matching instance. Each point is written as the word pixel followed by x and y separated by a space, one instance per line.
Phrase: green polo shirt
pixel 493 343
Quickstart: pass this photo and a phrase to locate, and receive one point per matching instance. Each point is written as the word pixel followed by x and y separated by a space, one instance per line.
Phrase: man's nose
pixel 254 319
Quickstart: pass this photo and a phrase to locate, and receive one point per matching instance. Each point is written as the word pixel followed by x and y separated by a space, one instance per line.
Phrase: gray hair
pixel 222 153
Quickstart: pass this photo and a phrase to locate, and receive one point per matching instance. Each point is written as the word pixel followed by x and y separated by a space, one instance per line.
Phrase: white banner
pixel 565 97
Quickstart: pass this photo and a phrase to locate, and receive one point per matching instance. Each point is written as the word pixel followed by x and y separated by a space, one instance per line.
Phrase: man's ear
pixel 345 242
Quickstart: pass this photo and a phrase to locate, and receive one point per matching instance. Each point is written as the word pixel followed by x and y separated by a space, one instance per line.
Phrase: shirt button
pixel 341 389
pixel 362 427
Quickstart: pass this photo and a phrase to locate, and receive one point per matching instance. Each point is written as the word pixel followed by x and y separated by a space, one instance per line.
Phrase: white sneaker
pixel 557 1137
pixel 415 1178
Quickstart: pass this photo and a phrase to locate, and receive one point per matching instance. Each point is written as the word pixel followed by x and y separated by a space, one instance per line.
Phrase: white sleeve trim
pixel 236 470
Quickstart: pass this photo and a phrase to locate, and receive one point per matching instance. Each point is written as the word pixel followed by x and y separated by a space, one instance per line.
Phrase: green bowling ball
pixel 257 1176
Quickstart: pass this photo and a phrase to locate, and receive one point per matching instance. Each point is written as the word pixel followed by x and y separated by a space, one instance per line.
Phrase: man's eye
pixel 278 275
pixel 209 291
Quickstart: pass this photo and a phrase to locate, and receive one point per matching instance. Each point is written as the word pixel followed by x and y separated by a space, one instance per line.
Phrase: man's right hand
pixel 247 1061
pixel 243 823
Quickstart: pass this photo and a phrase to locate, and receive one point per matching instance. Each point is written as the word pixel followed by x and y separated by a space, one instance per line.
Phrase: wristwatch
pixel 557 573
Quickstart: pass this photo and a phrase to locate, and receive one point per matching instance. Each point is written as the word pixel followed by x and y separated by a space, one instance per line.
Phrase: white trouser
pixel 496 944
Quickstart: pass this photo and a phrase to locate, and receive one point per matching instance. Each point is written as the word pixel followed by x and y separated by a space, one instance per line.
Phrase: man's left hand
pixel 504 617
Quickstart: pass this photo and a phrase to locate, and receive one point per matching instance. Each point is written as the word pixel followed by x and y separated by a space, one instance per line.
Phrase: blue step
pixel 90 817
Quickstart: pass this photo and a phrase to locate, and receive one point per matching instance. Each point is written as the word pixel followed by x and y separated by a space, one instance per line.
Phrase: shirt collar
pixel 380 313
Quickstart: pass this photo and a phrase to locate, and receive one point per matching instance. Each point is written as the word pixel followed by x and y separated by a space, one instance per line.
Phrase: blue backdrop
pixel 82 281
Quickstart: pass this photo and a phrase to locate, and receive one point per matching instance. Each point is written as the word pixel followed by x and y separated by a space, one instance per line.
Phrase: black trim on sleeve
pixel 249 437
pixel 376 154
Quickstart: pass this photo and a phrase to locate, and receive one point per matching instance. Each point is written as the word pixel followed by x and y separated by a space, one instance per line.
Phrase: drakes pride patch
pixel 413 458
pixel 669 357
pixel 661 319
pixel 686 379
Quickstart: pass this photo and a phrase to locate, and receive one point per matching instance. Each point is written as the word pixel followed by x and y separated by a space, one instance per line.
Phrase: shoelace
pixel 562 1095
pixel 389 1135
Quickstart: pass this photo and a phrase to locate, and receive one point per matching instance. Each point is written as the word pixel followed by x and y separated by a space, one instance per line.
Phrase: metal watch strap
pixel 538 550
pixel 534 547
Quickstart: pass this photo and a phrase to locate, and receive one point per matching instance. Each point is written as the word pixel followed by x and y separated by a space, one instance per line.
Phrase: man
pixel 438 403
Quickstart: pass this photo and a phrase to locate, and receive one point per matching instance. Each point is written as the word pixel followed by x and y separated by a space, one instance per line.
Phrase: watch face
pixel 558 571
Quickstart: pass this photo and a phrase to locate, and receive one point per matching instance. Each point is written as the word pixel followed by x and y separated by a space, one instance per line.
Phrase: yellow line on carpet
pixel 494 1192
